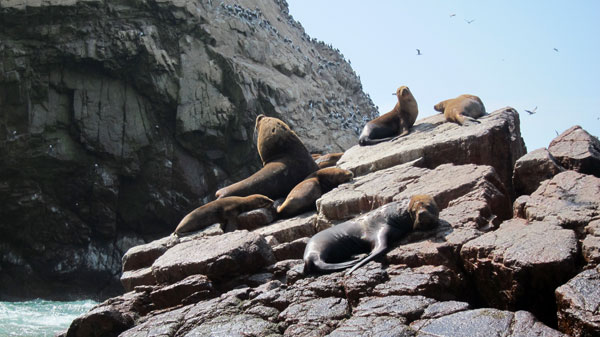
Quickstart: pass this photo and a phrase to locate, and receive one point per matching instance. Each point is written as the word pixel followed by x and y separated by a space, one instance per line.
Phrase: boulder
pixel 218 257
pixel 112 316
pixel 569 199
pixel 578 304
pixel 520 264
pixel 533 168
pixel 575 149
pixel 590 246
pixel 172 295
pixel 496 142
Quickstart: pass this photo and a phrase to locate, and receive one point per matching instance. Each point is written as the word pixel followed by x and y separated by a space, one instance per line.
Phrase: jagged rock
pixel 590 246
pixel 218 257
pixel 575 149
pixel 288 230
pixel 438 282
pixel 319 314
pixel 139 277
pixel 124 117
pixel 444 183
pixel 532 169
pixel 290 250
pixel 372 326
pixel 144 255
pixel 408 307
pixel 520 264
pixel 484 322
pixel 112 316
pixel 363 280
pixel 570 200
pixel 496 142
pixel 578 304
pixel 198 286
pixel 255 219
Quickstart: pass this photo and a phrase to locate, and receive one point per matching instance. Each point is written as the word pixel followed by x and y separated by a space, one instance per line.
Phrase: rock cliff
pixel 501 262
pixel 119 117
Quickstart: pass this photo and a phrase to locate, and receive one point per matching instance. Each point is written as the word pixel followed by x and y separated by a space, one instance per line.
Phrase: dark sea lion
pixel 286 162
pixel 328 160
pixel 333 248
pixel 223 211
pixel 302 197
pixel 396 123
pixel 461 108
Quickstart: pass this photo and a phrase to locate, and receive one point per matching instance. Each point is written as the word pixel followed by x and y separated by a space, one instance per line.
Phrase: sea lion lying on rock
pixel 396 123
pixel 286 162
pixel 302 197
pixel 461 108
pixel 223 211
pixel 330 249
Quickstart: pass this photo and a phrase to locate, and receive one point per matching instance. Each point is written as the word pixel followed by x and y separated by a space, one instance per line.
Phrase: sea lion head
pixel 259 201
pixel 440 106
pixel 275 138
pixel 403 91
pixel 423 211
pixel 331 177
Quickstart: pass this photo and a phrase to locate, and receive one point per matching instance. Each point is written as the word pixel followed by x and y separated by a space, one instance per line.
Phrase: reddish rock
pixel 362 281
pixel 174 294
pixel 111 317
pixel 570 199
pixel 140 277
pixel 445 183
pixel 292 229
pixel 578 304
pixel 218 257
pixel 290 250
pixel 496 142
pixel 520 264
pixel 590 246
pixel 408 307
pixel 256 218
pixel 533 168
pixel 372 326
pixel 575 149
pixel 144 255
pixel 320 314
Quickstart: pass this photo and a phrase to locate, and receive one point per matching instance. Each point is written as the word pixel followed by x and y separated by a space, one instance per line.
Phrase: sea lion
pixel 328 160
pixel 302 197
pixel 329 250
pixel 461 108
pixel 286 162
pixel 223 211
pixel 396 123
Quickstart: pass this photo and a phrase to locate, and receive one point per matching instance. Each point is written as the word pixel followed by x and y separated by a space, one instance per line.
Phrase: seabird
pixel 469 21
pixel 419 52
pixel 555 49
pixel 531 112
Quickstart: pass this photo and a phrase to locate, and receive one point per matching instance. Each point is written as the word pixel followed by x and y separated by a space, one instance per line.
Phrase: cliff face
pixel 119 117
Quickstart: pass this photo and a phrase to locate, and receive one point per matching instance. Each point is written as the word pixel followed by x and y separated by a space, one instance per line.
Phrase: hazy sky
pixel 505 56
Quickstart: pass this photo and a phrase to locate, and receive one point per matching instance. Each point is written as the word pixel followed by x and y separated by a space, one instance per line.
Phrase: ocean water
pixel 39 318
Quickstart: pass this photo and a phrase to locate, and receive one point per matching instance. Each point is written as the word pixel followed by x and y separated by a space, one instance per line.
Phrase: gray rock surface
pixel 119 117
pixel 520 264
pixel 533 168
pixel 575 149
pixel 578 304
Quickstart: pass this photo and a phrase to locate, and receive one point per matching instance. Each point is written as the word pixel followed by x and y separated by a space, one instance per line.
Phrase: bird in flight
pixel 419 51
pixel 555 49
pixel 531 112
pixel 469 21
pixel 452 15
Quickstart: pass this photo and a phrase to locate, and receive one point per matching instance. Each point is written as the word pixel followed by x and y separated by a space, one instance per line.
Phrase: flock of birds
pixel 532 111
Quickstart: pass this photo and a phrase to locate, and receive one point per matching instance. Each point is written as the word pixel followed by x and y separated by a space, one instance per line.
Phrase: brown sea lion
pixel 328 160
pixel 396 123
pixel 461 108
pixel 223 211
pixel 374 232
pixel 286 162
pixel 302 198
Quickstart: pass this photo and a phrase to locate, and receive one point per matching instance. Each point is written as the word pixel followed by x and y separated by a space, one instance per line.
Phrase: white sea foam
pixel 39 318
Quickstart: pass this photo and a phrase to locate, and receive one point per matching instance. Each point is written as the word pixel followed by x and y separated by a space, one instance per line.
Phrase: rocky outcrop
pixel 117 118
pixel 479 272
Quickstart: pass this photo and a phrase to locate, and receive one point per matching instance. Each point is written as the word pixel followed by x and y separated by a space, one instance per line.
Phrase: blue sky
pixel 505 56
